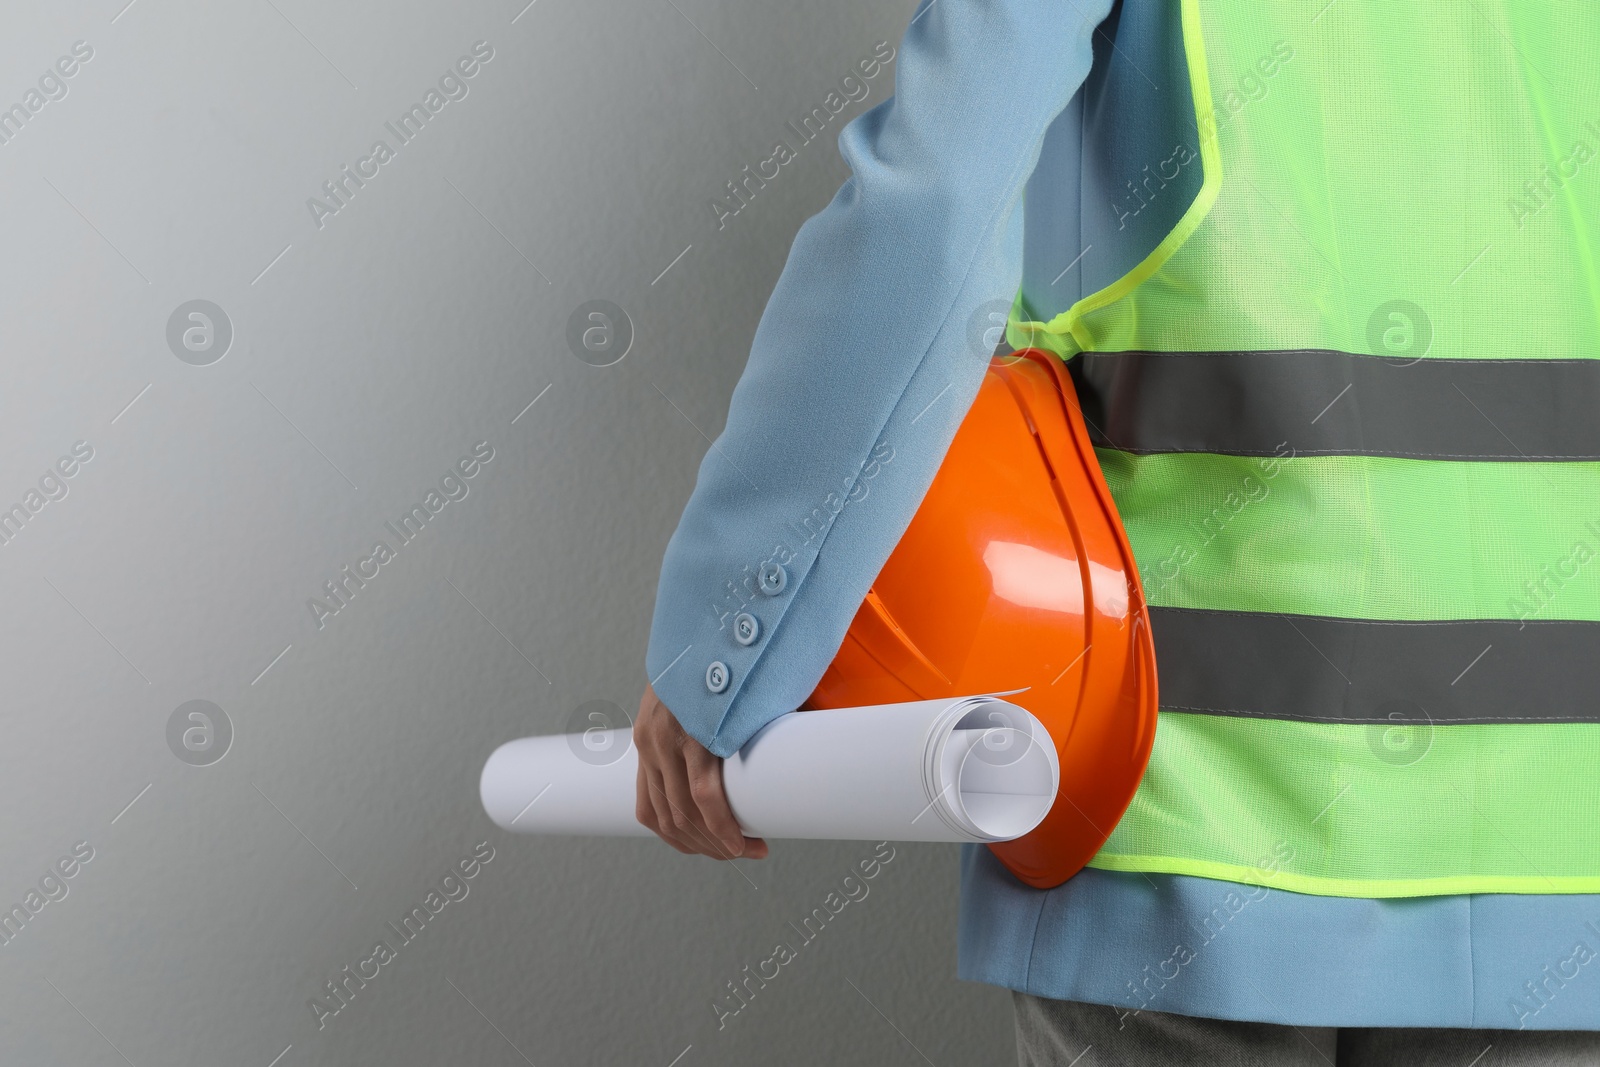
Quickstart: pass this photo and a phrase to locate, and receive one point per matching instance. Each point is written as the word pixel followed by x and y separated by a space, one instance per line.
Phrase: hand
pixel 680 789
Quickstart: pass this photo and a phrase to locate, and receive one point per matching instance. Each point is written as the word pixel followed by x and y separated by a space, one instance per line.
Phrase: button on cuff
pixel 772 578
pixel 717 676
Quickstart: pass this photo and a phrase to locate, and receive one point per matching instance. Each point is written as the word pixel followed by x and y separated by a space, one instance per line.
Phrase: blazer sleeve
pixel 866 359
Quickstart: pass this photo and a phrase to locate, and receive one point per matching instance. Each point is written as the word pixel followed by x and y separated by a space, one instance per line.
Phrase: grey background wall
pixel 216 487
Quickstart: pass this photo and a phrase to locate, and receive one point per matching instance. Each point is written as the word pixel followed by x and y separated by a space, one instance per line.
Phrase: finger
pixel 643 810
pixel 663 743
pixel 654 753
pixel 644 807
pixel 650 805
pixel 704 772
pixel 685 812
pixel 665 828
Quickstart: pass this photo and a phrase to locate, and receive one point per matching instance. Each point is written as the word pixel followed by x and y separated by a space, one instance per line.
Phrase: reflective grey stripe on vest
pixel 1360 671
pixel 1332 403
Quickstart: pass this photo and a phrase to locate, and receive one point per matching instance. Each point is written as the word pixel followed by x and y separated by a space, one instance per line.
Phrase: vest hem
pixel 1366 888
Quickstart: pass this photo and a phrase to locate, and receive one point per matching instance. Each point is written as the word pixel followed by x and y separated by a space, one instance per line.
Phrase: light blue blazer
pixel 866 359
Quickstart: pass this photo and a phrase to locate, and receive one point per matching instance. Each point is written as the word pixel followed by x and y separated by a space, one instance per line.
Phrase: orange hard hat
pixel 1015 572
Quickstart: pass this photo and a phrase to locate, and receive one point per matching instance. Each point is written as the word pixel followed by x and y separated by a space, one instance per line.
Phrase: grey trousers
pixel 1064 1033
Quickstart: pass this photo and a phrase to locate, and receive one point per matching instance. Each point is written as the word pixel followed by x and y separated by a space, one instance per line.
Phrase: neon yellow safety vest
pixel 1349 409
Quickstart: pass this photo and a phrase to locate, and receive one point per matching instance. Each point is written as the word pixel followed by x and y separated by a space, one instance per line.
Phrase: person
pixel 1324 273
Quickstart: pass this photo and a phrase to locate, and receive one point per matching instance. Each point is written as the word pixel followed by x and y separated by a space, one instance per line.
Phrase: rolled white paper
pixel 963 769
